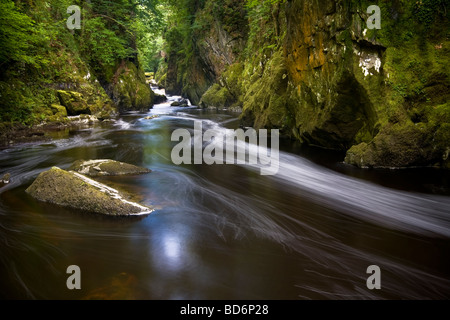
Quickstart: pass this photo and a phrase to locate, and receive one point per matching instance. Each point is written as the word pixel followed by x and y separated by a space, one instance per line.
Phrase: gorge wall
pixel 314 70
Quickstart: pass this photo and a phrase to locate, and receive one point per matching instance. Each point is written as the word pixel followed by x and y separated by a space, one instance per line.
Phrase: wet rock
pixel 180 103
pixel 106 167
pixel 151 117
pixel 73 190
pixel 74 102
pixel 159 98
pixel 129 90
pixel 5 179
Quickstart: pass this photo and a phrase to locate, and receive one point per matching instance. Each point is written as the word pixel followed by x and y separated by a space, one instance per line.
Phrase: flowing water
pixel 223 231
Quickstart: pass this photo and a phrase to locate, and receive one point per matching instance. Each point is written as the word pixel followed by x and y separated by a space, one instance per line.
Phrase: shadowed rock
pixel 180 103
pixel 73 190
pixel 106 167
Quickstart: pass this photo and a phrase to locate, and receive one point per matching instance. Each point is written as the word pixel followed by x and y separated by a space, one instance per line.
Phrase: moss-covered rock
pixel 265 100
pixel 59 113
pixel 71 189
pixel 180 103
pixel 216 97
pixel 106 167
pixel 73 102
pixel 405 143
pixel 318 73
pixel 130 90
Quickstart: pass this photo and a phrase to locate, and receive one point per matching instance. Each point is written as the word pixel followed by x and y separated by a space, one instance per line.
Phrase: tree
pixel 16 34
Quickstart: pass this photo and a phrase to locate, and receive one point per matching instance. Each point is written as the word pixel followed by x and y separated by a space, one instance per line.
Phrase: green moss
pixel 74 102
pixel 216 97
pixel 266 97
pixel 130 88
pixel 63 188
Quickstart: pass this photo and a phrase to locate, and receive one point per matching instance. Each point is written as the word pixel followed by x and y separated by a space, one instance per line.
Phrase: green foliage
pixel 17 35
pixel 427 10
pixel 102 45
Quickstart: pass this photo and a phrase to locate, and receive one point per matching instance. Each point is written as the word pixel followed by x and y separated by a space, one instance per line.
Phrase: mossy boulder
pixel 265 100
pixel 58 113
pixel 73 190
pixel 74 102
pixel 130 90
pixel 180 103
pixel 398 146
pixel 106 167
pixel 5 179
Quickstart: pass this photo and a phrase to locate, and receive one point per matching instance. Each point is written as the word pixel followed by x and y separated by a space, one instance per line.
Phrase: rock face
pixel 74 102
pixel 128 88
pixel 106 167
pixel 321 76
pixel 71 189
pixel 172 84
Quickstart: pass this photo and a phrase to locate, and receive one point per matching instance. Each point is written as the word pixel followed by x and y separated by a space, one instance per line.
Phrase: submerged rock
pixel 106 167
pixel 73 190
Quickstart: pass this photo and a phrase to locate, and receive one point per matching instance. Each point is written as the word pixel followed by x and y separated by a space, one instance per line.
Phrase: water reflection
pixel 172 249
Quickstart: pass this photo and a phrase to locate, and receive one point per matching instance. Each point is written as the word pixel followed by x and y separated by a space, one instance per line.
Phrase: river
pixel 223 231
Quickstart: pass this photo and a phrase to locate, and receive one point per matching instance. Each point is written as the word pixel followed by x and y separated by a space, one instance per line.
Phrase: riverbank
pixel 16 133
pixel 13 134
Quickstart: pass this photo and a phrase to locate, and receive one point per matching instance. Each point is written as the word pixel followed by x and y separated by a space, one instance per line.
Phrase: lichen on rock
pixel 73 190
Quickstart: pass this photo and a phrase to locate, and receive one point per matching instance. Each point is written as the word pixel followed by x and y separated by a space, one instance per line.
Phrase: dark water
pixel 223 231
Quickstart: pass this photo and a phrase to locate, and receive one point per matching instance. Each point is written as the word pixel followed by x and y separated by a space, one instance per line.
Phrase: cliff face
pixel 214 40
pixel 128 89
pixel 318 73
pixel 335 74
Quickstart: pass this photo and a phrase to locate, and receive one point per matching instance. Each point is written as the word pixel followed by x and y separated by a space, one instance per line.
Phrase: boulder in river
pixel 74 190
pixel 180 103
pixel 5 179
pixel 106 167
pixel 159 98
